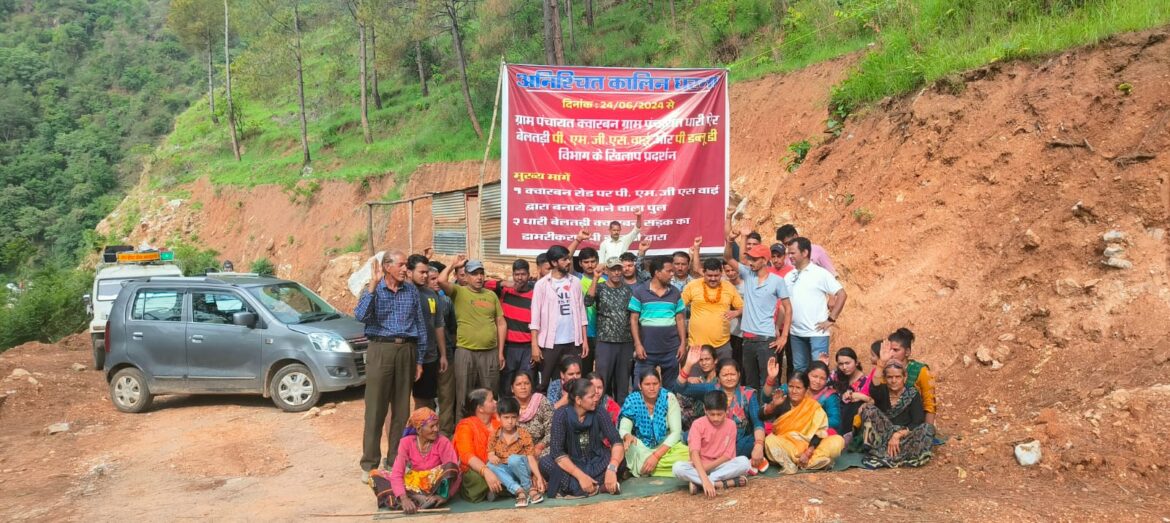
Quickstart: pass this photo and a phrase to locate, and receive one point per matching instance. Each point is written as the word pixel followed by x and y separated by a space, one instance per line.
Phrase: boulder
pixel 983 355
pixel 1113 236
pixel 1031 240
pixel 58 428
pixel 1028 453
pixel 1001 352
pixel 311 413
pixel 1118 263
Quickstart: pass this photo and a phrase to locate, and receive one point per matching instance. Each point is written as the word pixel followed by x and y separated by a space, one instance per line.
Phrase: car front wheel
pixel 293 388
pixel 129 391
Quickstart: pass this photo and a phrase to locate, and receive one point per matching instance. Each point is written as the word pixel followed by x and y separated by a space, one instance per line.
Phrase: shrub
pixel 799 152
pixel 862 215
pixel 48 309
pixel 194 260
pixel 263 267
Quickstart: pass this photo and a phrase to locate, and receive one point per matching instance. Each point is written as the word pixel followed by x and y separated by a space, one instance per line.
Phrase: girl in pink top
pixel 853 385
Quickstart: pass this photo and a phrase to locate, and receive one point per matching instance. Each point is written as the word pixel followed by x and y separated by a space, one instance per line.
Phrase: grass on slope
pixel 935 38
pixel 913 43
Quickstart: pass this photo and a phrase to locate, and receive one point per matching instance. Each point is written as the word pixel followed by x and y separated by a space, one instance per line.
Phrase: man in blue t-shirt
pixel 656 321
pixel 765 325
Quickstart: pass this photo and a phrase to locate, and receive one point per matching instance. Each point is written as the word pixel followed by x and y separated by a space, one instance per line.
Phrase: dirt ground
pixel 227 458
pixel 973 212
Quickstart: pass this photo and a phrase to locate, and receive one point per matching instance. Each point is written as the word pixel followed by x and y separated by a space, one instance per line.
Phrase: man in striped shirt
pixel 656 321
pixel 516 300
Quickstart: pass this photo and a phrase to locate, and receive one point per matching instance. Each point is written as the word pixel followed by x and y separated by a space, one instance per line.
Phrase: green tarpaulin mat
pixel 631 488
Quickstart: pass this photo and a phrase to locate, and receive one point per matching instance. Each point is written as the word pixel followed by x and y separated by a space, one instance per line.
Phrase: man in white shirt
pixel 813 290
pixel 615 244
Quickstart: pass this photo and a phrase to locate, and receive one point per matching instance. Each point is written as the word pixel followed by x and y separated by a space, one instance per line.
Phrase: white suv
pixel 119 265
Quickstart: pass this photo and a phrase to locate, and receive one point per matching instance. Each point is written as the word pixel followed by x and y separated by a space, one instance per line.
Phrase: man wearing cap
pixel 779 264
pixel 396 326
pixel 482 329
pixel 559 322
pixel 615 343
pixel 761 321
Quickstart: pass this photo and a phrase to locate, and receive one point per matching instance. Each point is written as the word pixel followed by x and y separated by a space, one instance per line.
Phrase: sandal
pixel 740 481
pixel 534 497
pixel 521 499
pixel 693 488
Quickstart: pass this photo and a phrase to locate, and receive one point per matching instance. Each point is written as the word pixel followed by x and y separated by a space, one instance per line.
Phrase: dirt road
pixel 228 458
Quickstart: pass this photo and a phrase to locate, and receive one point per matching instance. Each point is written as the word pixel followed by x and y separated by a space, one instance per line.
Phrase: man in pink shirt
pixel 712 443
pixel 559 322
pixel 785 233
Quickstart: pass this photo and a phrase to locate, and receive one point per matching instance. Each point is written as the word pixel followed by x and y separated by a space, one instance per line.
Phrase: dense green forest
pixel 86 88
pixel 351 89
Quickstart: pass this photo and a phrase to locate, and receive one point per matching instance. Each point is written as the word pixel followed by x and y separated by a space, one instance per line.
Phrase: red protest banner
pixel 583 146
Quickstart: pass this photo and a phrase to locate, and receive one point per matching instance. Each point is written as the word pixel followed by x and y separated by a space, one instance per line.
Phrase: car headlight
pixel 329 342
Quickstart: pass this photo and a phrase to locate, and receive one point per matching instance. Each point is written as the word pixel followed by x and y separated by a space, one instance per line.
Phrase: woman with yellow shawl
pixel 426 469
pixel 800 438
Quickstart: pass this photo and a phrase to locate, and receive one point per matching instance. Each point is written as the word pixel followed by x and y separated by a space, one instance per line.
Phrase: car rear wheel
pixel 293 388
pixel 99 353
pixel 129 391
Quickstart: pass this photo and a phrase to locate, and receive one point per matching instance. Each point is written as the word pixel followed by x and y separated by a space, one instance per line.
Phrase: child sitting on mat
pixel 512 456
pixel 712 443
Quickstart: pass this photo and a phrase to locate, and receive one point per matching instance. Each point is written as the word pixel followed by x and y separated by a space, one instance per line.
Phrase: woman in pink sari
pixel 426 470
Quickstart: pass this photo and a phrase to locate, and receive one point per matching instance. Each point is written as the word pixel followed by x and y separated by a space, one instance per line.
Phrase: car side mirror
pixel 244 319
pixel 86 299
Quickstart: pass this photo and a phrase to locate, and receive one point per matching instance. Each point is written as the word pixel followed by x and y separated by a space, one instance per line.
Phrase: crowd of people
pixel 607 364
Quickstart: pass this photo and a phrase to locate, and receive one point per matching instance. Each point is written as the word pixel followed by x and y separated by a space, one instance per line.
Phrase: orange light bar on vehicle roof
pixel 136 257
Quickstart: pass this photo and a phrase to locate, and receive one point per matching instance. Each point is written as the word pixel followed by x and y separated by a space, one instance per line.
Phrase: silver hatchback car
pixel 229 333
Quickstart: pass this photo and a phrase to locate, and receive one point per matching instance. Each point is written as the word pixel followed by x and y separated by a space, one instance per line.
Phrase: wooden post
pixel 487 149
pixel 370 226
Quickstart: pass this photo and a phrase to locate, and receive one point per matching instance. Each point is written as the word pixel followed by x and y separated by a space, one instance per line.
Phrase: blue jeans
pixel 667 361
pixel 515 475
pixel 807 348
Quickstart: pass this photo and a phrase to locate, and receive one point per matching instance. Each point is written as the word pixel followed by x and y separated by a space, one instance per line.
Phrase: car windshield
pixel 291 303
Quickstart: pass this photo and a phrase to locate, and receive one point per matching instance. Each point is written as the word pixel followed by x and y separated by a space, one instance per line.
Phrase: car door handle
pixel 136 335
pixel 198 338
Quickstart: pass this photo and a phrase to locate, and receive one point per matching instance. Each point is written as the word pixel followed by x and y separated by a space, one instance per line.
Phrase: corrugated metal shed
pixel 489 223
pixel 449 214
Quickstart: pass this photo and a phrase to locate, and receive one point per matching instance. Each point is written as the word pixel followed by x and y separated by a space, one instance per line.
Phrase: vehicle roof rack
pixel 221 278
